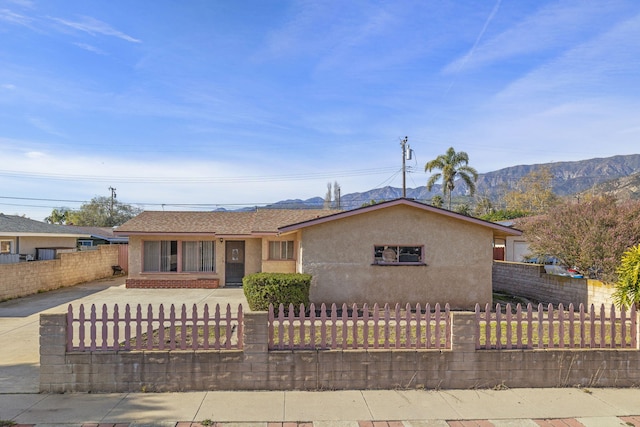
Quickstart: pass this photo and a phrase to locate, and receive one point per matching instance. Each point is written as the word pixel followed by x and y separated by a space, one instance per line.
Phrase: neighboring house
pixel 97 236
pixel 26 239
pixel 515 248
pixel 397 251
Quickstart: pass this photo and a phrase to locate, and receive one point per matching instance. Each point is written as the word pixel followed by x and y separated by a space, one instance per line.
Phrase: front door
pixel 234 263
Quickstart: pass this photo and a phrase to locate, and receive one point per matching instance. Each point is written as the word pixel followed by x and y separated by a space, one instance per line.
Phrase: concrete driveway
pixel 19 320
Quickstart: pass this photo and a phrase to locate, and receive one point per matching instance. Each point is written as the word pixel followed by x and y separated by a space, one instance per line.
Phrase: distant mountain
pixel 625 188
pixel 619 175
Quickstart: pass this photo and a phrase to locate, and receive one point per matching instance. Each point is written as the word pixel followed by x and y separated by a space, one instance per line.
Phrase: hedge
pixel 262 289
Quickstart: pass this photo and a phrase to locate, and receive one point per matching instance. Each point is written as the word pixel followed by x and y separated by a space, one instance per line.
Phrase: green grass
pixel 349 337
pixel 553 340
pixel 189 335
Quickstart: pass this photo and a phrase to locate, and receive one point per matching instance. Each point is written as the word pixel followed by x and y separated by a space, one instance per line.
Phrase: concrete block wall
pixel 530 281
pixel 257 368
pixel 25 278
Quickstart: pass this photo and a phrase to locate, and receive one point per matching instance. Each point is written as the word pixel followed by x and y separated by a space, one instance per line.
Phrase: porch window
pixel 161 256
pixel 398 255
pixel 198 256
pixel 281 250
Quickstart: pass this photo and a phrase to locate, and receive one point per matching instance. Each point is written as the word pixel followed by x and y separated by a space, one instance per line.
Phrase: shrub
pixel 262 289
pixel 628 287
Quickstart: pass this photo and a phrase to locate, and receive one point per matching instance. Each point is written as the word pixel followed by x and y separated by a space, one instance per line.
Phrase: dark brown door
pixel 234 263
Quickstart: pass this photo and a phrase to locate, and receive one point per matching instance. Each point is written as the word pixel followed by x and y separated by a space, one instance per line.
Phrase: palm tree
pixel 452 165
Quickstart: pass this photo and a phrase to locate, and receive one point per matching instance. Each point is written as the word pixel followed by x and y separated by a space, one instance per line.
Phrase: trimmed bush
pixel 262 289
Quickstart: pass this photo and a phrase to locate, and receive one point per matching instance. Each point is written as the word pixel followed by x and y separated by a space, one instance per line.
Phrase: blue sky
pixel 227 103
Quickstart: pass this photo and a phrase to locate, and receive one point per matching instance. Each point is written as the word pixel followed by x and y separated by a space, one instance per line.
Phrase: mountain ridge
pixel 569 177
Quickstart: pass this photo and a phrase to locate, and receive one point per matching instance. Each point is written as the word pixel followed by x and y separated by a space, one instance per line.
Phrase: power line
pixel 204 179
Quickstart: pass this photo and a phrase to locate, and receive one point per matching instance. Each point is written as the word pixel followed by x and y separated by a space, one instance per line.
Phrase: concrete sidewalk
pixel 516 407
pixel 21 403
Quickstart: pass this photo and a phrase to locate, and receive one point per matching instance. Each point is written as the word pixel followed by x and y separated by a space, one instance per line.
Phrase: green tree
pixel 628 286
pixel 437 201
pixel 464 209
pixel 502 215
pixel 452 166
pixel 533 193
pixel 60 216
pixel 99 212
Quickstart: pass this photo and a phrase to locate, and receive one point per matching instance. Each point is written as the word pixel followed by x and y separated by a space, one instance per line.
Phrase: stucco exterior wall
pixel 339 256
pixel 252 256
pixel 28 245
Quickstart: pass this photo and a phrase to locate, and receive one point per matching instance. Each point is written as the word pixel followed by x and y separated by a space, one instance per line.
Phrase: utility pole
pixel 113 196
pixel 404 146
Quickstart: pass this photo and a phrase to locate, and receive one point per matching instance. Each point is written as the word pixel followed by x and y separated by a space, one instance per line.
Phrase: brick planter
pixel 173 283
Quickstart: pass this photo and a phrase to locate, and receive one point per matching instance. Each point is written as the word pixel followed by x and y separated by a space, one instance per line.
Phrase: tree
pixel 533 193
pixel 464 209
pixel 484 206
pixel 99 212
pixel 328 204
pixel 437 201
pixel 452 165
pixel 60 216
pixel 502 215
pixel 591 236
pixel 628 286
pixel 327 197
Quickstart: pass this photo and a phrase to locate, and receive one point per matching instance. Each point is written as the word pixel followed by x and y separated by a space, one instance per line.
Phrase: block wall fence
pixel 26 278
pixel 255 367
pixel 530 281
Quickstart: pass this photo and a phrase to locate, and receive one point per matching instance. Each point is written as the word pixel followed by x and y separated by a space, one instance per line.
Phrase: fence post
pixel 463 332
pixel 256 352
pixel 53 347
pixel 256 332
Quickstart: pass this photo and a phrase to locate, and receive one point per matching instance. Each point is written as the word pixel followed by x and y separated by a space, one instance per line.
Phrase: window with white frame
pixel 161 256
pixel 281 250
pixel 5 246
pixel 398 255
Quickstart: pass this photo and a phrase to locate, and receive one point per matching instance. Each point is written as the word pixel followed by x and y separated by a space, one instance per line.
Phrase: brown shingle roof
pixel 219 223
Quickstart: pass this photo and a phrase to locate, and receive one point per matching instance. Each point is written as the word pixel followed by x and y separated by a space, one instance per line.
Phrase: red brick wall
pixel 173 283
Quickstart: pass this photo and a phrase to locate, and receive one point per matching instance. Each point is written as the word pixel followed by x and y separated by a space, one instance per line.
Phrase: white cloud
pixel 552 27
pixel 45 126
pixel 35 154
pixel 90 48
pixel 14 18
pixel 93 26
pixel 588 68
